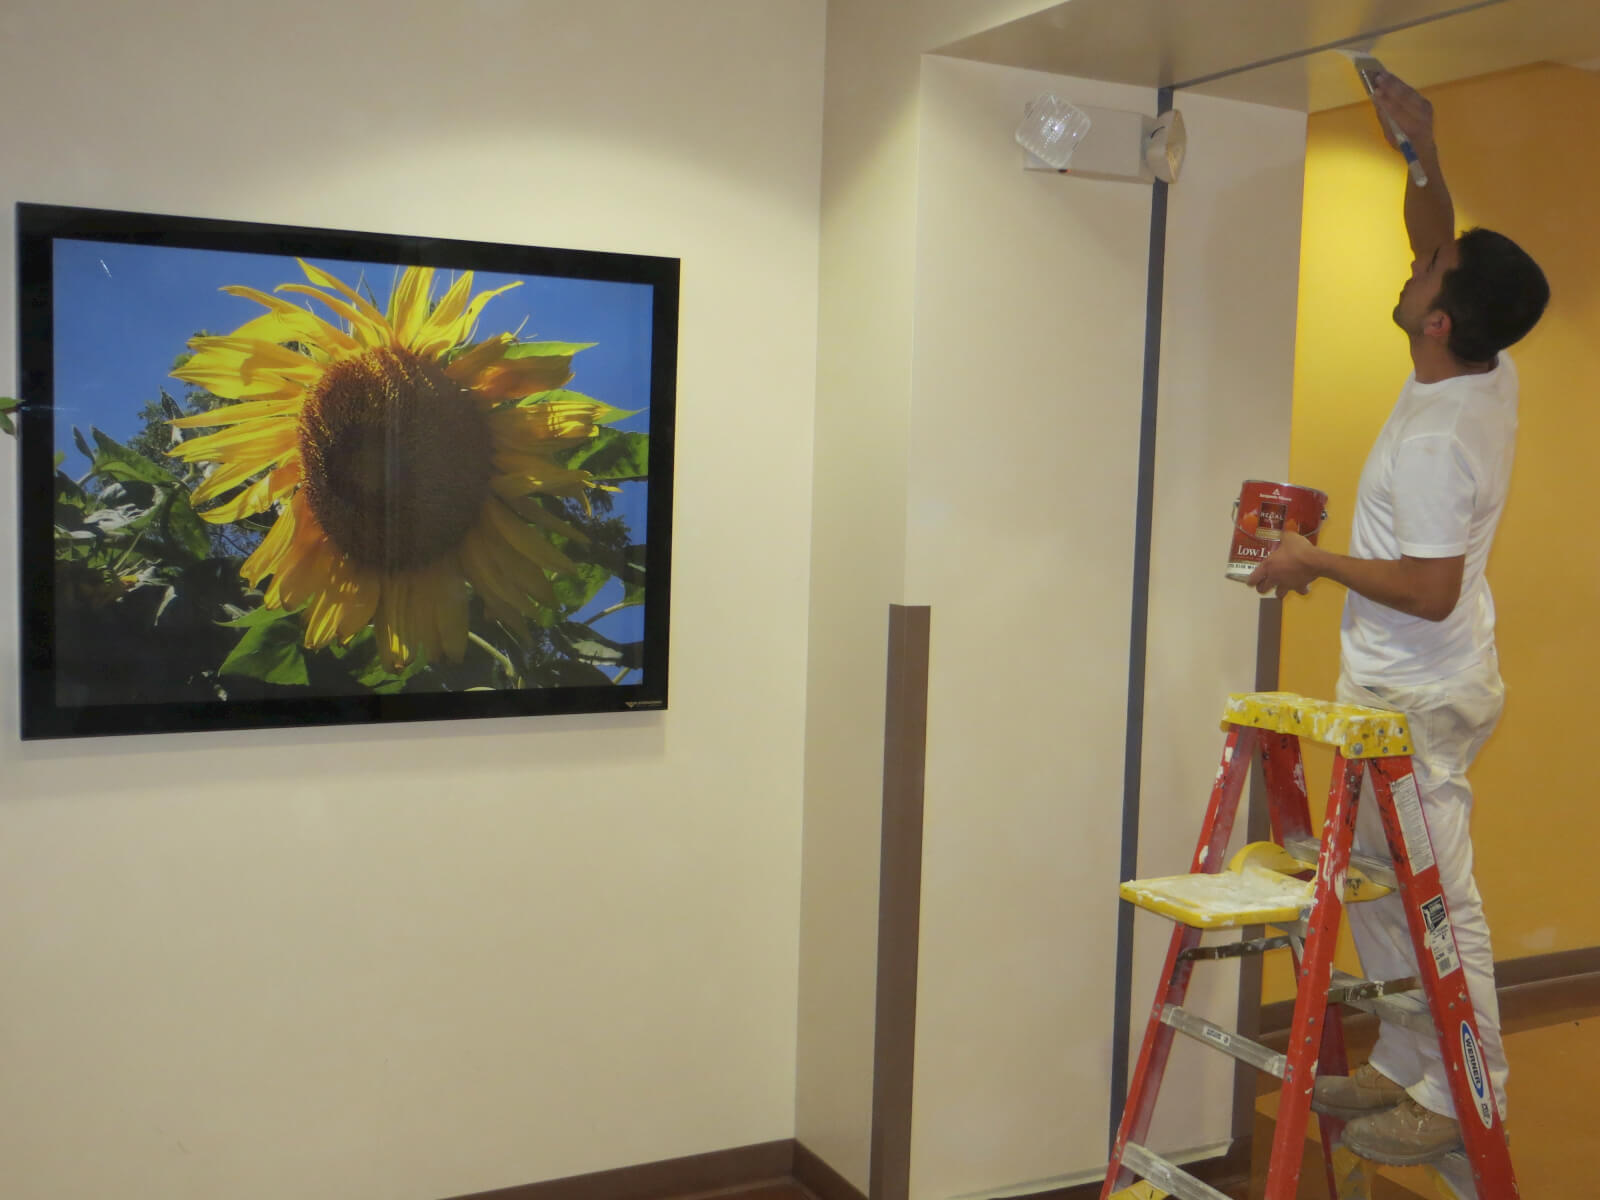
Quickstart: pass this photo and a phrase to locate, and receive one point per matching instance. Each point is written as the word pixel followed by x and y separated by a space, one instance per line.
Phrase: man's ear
pixel 1437 324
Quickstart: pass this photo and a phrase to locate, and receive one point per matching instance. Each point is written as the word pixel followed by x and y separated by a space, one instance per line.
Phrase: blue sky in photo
pixel 123 313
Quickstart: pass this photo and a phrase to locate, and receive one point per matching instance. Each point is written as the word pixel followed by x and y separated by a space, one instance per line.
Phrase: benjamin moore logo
pixel 1475 1075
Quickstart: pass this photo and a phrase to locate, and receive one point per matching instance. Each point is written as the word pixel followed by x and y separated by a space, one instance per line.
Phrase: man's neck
pixel 1434 363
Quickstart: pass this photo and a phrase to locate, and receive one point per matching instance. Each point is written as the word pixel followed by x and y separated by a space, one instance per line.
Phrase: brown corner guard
pixel 679 1178
pixel 1530 988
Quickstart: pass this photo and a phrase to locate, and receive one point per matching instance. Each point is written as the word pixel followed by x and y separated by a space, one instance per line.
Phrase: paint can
pixel 1262 513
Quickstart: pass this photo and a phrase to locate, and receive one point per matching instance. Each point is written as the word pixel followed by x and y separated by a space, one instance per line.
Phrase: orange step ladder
pixel 1266 884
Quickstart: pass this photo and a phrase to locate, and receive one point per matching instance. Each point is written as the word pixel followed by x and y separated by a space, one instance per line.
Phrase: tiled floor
pixel 1555 1075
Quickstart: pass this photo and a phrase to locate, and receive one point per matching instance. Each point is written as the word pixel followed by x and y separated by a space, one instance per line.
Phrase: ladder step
pixel 1225 1040
pixel 1380 870
pixel 1258 945
pixel 1224 900
pixel 1358 732
pixel 1366 989
pixel 1143 1190
pixel 1406 1009
pixel 1169 1176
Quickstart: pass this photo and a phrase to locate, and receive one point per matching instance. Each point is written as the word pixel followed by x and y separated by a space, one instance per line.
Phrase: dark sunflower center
pixel 396 458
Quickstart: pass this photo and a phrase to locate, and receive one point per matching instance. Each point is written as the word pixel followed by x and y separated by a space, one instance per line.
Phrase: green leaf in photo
pixel 575 590
pixel 613 454
pixel 269 651
pixel 546 349
pixel 113 459
pixel 604 413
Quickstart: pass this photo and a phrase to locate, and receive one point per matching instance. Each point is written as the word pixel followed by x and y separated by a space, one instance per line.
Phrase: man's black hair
pixel 1494 295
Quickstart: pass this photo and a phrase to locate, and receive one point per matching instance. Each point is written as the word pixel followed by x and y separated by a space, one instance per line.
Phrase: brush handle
pixel 1419 174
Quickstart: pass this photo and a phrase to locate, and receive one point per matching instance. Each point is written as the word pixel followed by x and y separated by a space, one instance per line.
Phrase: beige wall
pixel 869 198
pixel 1024 438
pixel 1227 372
pixel 1030 301
pixel 429 960
pixel 936 270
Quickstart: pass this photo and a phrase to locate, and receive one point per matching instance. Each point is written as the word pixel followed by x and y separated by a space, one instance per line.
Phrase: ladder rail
pixel 1443 978
pixel 1436 1002
pixel 1217 827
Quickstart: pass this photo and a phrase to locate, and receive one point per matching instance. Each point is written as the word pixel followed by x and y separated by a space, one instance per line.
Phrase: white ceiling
pixel 1278 51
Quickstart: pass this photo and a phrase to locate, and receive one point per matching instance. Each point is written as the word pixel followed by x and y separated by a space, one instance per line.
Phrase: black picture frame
pixel 121 610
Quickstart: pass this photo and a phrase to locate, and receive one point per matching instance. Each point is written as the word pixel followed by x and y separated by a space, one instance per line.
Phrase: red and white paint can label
pixel 1263 512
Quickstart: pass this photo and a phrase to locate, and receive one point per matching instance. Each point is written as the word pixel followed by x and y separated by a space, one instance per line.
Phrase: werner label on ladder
pixel 1301 885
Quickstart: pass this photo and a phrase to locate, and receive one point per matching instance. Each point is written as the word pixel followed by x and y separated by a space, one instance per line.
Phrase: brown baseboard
pixel 1534 991
pixel 821 1180
pixel 721 1170
pixel 671 1177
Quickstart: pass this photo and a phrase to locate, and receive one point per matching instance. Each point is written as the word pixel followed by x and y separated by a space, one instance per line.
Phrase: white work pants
pixel 1450 720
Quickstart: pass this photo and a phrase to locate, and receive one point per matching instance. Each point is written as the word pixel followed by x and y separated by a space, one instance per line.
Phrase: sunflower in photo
pixel 401 459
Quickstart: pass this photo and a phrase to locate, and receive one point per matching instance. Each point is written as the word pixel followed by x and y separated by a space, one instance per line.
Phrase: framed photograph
pixel 282 476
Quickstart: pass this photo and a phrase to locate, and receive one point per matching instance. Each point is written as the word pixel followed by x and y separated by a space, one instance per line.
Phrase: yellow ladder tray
pixel 1247 893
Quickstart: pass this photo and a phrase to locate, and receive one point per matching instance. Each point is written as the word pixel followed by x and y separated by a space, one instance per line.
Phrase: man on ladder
pixel 1418 628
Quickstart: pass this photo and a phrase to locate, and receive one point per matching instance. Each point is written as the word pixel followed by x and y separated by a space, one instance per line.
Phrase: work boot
pixel 1364 1091
pixel 1404 1136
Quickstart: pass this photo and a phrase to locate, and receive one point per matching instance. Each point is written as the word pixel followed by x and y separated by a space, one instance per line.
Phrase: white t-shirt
pixel 1433 487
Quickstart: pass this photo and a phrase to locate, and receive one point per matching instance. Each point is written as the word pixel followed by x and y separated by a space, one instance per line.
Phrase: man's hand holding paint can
pixel 1291 567
pixel 1275 523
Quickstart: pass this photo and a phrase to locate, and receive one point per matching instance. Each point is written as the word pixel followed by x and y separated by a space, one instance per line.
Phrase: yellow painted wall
pixel 1517 150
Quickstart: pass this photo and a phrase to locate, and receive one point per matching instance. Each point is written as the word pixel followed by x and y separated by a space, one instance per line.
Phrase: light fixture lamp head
pixel 1051 129
pixel 1164 146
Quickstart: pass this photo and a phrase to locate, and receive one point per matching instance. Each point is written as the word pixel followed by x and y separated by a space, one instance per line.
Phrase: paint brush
pixel 1369 68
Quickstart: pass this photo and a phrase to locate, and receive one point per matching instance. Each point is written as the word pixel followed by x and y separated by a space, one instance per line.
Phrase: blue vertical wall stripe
pixel 1139 625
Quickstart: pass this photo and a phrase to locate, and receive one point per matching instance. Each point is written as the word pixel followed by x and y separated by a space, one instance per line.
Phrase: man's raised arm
pixel 1430 213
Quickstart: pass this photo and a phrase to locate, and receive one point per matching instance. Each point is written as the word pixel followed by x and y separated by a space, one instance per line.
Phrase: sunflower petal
pixel 519 474
pixel 524 539
pixel 361 601
pixel 232 414
pixel 323 619
pixel 524 427
pixel 230 475
pixel 267 558
pixel 506 577
pixel 249 356
pixel 254 499
pixel 268 441
pixel 438 331
pixel 366 332
pixel 303 566
pixel 395 647
pixel 230 385
pixel 369 313
pixel 293 323
pixel 460 329
pixel 408 304
pixel 487 368
pixel 286 478
pixel 531 510
pixel 450 611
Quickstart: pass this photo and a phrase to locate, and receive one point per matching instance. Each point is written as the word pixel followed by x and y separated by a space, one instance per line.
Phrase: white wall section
pixel 434 959
pixel 1024 435
pixel 1227 368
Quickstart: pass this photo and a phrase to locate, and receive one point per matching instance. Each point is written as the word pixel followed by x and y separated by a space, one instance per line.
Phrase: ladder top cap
pixel 1356 731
